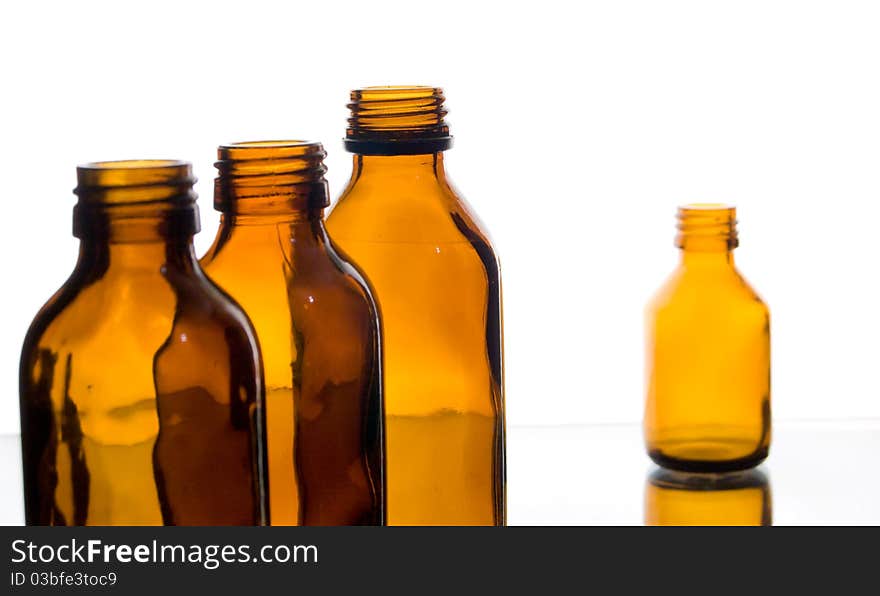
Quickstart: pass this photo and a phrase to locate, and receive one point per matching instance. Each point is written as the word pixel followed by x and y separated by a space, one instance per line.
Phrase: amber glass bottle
pixel 318 329
pixel 708 354
pixel 731 499
pixel 141 386
pixel 437 282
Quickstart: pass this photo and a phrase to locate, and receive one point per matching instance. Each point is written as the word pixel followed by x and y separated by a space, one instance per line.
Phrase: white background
pixel 579 127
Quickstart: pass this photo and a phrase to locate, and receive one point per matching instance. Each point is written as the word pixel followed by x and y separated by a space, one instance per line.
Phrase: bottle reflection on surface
pixel 685 499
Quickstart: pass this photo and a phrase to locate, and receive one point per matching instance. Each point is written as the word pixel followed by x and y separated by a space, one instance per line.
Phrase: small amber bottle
pixel 318 329
pixel 708 354
pixel 730 499
pixel 141 386
pixel 437 282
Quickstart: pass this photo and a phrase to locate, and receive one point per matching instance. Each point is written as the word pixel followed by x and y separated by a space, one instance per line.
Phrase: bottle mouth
pixel 707 226
pixel 397 120
pixel 135 181
pixel 281 172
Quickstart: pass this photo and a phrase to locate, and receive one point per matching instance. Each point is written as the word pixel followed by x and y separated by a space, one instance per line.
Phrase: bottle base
pixel 703 466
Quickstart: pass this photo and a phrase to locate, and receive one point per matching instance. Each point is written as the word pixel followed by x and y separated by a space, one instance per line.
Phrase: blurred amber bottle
pixel 141 387
pixel 318 329
pixel 437 282
pixel 708 354
pixel 730 499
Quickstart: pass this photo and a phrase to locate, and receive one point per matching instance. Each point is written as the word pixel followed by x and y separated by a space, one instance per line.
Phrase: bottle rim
pixel 134 181
pixel 133 172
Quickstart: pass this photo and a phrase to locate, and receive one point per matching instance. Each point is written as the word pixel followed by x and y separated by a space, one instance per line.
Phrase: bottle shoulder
pixel 95 312
pixel 293 289
pixel 694 289
pixel 270 268
pixel 401 213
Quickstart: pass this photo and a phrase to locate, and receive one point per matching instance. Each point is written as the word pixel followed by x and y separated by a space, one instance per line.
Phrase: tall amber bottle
pixel 437 282
pixel 730 499
pixel 318 329
pixel 141 385
pixel 708 354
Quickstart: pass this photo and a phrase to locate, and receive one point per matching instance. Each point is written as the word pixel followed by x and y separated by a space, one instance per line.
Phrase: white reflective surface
pixel 819 473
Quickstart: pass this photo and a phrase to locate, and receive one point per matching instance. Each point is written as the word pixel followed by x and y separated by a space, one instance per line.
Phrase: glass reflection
pixel 686 499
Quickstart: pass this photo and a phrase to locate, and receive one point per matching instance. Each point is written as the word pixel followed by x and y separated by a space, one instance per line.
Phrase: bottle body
pixel 730 499
pixel 708 356
pixel 141 387
pixel 437 281
pixel 318 329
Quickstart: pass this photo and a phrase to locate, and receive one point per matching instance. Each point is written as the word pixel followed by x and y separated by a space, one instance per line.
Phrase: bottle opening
pixel 135 181
pixel 270 176
pixel 397 120
pixel 707 226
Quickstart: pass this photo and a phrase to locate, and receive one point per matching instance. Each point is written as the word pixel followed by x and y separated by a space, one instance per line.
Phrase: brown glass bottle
pixel 731 499
pixel 436 278
pixel 141 384
pixel 318 329
pixel 707 407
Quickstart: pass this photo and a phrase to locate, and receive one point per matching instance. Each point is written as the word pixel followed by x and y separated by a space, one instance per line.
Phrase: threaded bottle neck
pixel 707 227
pixel 398 120
pixel 271 178
pixel 136 200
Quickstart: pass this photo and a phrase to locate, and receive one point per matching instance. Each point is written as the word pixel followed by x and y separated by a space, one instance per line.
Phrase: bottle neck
pixel 141 257
pixel 287 219
pixel 246 220
pixel 270 183
pixel 707 235
pixel 297 228
pixel 698 259
pixel 136 215
pixel 306 203
pixel 424 169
